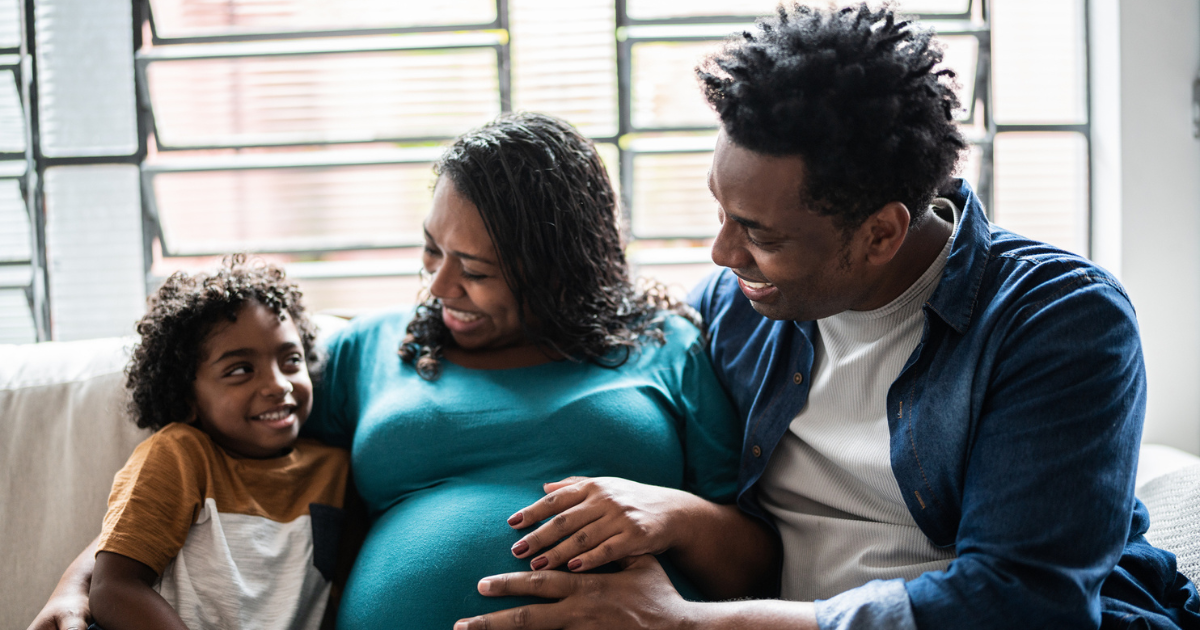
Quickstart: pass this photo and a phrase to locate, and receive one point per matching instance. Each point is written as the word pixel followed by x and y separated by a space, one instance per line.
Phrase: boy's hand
pixel 598 521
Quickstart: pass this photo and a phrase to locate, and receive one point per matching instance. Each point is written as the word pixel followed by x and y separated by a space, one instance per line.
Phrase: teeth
pixel 756 285
pixel 275 415
pixel 462 316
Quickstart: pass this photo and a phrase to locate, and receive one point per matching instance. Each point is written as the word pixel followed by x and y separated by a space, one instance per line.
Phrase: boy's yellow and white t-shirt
pixel 237 543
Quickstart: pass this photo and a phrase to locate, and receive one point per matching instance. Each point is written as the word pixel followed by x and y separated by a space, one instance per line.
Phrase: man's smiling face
pixel 792 262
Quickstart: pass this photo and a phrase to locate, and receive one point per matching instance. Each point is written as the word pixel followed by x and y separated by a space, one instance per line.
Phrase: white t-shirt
pixel 829 483
pixel 237 543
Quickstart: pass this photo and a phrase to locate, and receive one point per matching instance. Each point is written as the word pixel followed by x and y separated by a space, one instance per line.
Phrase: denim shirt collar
pixel 958 291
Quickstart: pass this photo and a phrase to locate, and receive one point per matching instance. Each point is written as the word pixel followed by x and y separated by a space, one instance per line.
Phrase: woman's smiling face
pixel 477 305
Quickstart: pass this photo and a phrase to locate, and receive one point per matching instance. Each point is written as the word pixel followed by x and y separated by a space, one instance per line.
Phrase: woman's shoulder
pixel 677 328
pixel 680 337
pixel 374 326
pixel 383 319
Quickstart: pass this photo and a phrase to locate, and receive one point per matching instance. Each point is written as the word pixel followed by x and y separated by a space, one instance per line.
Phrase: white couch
pixel 66 433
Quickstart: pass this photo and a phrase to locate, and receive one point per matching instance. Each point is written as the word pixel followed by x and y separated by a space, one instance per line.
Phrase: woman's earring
pixel 424 294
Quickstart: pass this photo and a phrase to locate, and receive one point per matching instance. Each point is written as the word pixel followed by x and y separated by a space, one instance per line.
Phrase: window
pixel 19 263
pixel 305 132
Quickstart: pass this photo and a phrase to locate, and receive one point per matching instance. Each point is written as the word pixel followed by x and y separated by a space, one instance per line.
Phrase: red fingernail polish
pixel 575 564
pixel 516 519
pixel 520 548
pixel 539 563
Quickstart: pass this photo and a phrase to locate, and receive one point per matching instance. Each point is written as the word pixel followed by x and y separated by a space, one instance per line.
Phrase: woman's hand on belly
pixel 599 520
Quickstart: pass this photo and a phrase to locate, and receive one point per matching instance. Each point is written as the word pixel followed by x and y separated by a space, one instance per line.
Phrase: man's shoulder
pixel 994 273
pixel 1027 274
pixel 1018 254
pixel 1034 302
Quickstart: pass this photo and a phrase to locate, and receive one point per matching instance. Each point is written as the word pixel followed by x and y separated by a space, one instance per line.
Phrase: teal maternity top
pixel 443 464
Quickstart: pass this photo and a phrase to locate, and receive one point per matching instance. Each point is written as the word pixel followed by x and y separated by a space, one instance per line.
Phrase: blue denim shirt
pixel 1015 427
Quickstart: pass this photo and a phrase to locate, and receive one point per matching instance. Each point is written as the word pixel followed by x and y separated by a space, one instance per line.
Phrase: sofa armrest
pixel 1156 460
pixel 66 433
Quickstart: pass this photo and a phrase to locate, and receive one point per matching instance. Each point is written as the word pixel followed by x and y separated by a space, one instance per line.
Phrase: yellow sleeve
pixel 156 497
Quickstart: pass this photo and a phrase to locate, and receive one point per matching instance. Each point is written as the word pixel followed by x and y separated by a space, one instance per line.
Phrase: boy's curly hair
pixel 181 316
pixel 855 93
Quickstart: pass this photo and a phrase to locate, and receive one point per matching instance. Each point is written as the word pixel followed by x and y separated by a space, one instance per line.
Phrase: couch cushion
pixel 1174 503
pixel 66 434
pixel 1156 460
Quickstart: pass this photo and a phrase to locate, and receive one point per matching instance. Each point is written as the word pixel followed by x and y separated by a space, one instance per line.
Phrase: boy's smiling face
pixel 252 385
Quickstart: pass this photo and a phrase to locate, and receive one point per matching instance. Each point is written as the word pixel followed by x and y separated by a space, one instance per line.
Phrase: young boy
pixel 221 519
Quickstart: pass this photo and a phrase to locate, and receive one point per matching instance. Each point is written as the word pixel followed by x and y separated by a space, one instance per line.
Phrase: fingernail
pixel 485 587
pixel 539 563
pixel 516 519
pixel 575 564
pixel 520 548
pixel 462 625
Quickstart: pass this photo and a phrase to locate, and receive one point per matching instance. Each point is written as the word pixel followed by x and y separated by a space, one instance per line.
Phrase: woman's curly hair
pixel 552 215
pixel 181 316
pixel 854 93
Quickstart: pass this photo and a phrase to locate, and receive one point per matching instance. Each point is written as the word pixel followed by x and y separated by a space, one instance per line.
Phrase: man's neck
pixel 922 246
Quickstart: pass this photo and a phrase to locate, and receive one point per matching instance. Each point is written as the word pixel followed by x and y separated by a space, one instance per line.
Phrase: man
pixel 942 418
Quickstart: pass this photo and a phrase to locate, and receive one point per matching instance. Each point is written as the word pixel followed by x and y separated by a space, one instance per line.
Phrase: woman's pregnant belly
pixel 424 556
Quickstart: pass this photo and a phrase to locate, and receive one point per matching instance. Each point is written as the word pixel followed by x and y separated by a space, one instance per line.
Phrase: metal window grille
pixel 226 95
pixel 22 224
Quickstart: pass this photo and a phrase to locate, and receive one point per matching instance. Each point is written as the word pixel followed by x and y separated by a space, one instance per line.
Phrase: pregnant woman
pixel 532 359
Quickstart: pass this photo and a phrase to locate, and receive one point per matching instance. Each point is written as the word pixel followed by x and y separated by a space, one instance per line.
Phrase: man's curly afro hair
pixel 182 315
pixel 851 91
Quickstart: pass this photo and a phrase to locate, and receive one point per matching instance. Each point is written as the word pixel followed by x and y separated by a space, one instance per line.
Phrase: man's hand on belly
pixel 640 596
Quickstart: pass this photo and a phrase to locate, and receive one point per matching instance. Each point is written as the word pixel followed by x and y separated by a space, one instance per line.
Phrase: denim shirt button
pixel 757 451
pixel 797 378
